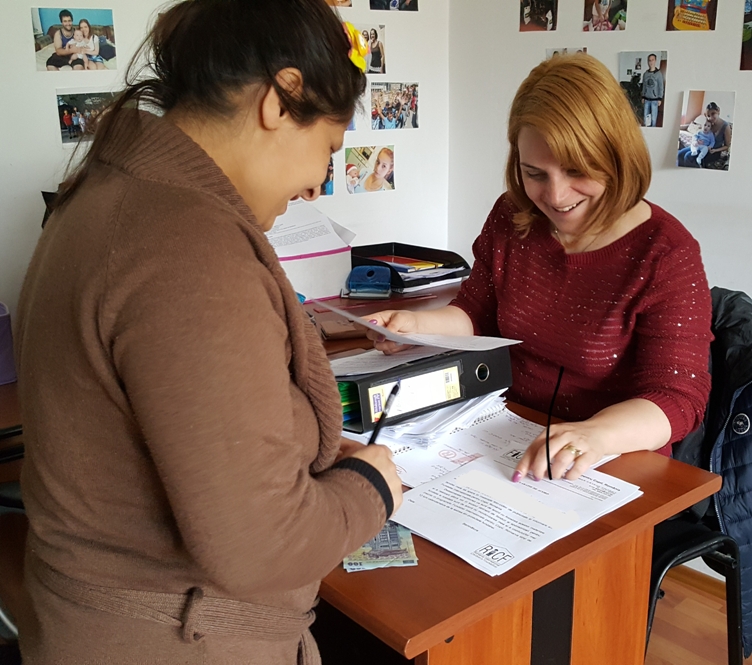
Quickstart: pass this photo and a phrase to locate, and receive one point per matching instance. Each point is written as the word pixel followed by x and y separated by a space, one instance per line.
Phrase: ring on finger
pixel 571 449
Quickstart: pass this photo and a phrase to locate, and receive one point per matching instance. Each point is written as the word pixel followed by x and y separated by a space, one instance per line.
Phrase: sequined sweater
pixel 630 320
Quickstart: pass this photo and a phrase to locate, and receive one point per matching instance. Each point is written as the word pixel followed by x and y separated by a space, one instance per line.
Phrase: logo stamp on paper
pixel 515 455
pixel 493 555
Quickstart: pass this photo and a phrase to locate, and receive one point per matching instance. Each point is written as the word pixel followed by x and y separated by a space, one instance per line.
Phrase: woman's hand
pixel 346 449
pixel 399 321
pixel 380 458
pixel 580 443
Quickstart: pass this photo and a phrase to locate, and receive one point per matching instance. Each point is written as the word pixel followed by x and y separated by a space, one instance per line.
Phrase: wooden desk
pixel 583 599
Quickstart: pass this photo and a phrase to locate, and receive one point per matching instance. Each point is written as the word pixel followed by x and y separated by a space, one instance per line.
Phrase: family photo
pixel 538 15
pixel 691 14
pixel 77 112
pixel 707 122
pixel 73 39
pixel 394 105
pixel 605 15
pixel 369 169
pixel 399 5
pixel 642 76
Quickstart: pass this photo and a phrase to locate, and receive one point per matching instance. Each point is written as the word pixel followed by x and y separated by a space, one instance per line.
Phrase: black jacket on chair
pixel 723 444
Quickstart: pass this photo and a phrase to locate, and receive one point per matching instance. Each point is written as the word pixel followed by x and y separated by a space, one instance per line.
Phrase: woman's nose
pixel 558 190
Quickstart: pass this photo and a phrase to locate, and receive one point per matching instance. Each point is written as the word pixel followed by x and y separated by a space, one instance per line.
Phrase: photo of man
pixel 73 39
pixel 645 88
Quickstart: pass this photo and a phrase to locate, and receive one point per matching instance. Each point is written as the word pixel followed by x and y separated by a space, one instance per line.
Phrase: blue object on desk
pixel 301 297
pixel 369 279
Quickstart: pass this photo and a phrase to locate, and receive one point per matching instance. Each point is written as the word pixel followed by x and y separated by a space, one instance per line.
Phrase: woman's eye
pixel 535 176
pixel 573 173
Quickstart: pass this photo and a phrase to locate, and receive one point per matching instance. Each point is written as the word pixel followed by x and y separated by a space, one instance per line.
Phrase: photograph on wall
pixel 551 52
pixel 396 5
pixel 77 112
pixel 339 3
pixel 369 169
pixel 746 63
pixel 69 39
pixel 375 35
pixel 691 14
pixel 327 187
pixel 642 76
pixel 394 105
pixel 707 123
pixel 605 15
pixel 538 15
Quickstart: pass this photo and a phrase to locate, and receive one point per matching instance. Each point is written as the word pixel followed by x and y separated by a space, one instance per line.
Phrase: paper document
pixel 372 361
pixel 469 343
pixel 477 513
pixel 304 231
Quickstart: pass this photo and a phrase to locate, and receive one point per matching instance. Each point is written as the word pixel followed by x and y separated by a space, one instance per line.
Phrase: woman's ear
pixel 273 112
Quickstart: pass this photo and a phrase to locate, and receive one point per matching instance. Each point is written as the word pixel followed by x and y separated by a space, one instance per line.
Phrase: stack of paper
pixel 477 513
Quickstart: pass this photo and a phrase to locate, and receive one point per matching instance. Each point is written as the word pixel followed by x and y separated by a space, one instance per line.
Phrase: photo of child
pixel 705 131
pixel 369 169
pixel 77 113
pixel 645 88
pixel 394 105
pixel 73 39
pixel 691 14
pixel 605 15
pixel 538 15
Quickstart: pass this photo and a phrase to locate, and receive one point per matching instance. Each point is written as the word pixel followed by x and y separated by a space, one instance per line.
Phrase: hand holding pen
pixel 384 413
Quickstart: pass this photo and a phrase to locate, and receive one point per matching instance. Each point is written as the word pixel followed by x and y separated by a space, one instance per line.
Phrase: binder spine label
pixel 417 392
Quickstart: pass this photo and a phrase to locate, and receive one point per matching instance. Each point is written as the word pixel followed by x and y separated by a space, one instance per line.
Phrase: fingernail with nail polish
pixel 516 477
pixel 374 321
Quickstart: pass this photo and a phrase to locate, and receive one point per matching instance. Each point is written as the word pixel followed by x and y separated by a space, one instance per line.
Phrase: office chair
pixel 681 539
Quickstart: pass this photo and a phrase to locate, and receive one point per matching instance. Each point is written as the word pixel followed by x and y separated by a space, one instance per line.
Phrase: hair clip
pixel 359 48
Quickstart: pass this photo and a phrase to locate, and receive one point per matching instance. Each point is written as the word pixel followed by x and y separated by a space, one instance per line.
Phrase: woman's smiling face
pixel 566 197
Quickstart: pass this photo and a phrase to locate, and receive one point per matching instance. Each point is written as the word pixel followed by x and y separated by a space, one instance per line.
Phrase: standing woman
pixel 595 281
pixel 182 425
pixel 377 64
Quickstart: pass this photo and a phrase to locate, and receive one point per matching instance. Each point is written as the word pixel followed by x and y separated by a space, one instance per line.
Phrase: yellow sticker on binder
pixel 417 392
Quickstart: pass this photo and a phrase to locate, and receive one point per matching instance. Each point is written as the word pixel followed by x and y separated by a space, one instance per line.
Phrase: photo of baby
pixel 707 123
pixel 369 169
pixel 394 105
pixel 605 15
pixel 73 39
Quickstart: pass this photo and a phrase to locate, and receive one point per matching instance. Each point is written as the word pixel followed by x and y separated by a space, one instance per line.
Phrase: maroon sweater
pixel 630 320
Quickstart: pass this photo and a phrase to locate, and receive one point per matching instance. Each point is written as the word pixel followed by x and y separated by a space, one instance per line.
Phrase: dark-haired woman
pixel 185 481
pixel 377 64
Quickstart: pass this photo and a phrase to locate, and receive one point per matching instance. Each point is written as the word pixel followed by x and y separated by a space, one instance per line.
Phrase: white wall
pixel 33 158
pixel 489 58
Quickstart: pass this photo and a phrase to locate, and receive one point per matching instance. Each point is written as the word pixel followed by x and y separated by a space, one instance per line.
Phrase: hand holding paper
pixel 458 342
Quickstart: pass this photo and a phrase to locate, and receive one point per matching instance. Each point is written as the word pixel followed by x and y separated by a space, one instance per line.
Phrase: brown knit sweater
pixel 180 415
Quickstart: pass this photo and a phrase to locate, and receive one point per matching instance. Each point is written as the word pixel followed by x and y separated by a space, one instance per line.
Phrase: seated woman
pixel 591 277
pixel 182 425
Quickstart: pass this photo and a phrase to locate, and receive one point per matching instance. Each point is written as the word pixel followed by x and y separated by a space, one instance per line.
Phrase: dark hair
pixel 713 107
pixel 91 32
pixel 653 55
pixel 251 41
pixel 65 13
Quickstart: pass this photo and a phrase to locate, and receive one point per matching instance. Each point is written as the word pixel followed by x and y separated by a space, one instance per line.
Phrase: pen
pixel 384 413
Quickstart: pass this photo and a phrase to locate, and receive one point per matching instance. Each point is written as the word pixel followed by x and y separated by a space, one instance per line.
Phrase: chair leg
pixel 733 609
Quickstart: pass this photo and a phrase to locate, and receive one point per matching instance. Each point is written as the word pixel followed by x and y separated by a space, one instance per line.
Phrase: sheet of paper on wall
pixel 314 250
pixel 459 343
pixel 478 514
